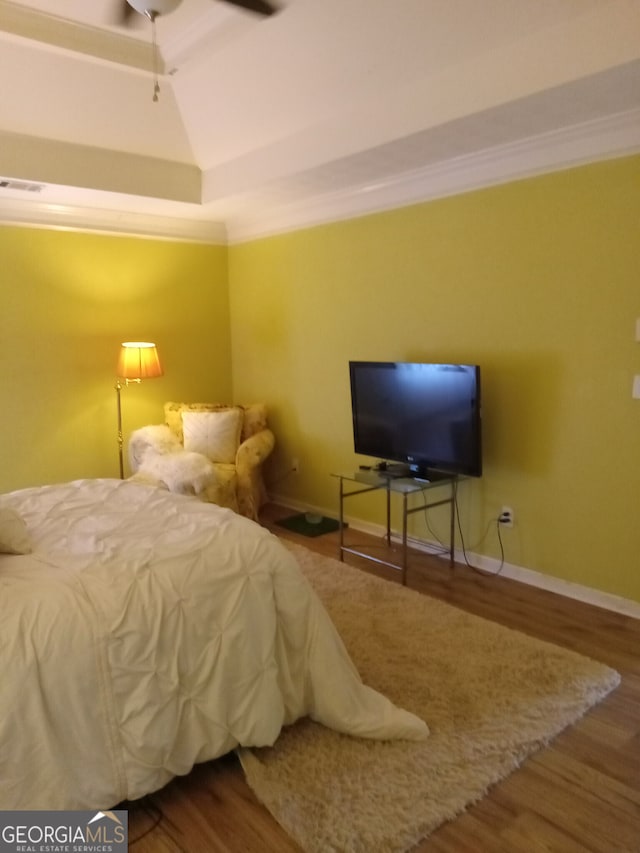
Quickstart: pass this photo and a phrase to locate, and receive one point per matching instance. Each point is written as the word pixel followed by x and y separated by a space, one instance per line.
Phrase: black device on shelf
pixel 425 416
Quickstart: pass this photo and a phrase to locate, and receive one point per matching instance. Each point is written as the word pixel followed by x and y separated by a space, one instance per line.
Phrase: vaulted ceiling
pixel 330 107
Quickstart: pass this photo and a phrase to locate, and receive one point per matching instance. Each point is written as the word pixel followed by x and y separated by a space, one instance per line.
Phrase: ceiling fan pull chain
pixel 156 85
pixel 164 7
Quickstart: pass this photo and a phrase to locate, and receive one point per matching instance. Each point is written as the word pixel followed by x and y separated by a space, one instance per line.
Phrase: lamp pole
pixel 118 387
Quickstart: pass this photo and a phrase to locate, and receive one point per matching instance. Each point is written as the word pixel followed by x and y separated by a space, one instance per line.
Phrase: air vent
pixel 23 186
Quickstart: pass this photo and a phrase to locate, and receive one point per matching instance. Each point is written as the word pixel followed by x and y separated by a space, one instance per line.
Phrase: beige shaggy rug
pixel 491 696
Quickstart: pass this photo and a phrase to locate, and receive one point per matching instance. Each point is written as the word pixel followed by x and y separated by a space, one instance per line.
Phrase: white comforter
pixel 147 632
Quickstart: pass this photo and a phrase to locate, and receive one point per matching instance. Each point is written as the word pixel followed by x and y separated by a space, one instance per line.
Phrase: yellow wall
pixel 67 301
pixel 538 282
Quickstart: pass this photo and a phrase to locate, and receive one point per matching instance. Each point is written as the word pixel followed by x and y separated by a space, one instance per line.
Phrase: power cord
pixel 432 531
pixel 501 519
pixel 441 548
pixel 158 815
pixel 498 521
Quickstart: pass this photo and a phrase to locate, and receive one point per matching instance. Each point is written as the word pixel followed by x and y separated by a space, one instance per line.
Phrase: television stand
pixel 404 487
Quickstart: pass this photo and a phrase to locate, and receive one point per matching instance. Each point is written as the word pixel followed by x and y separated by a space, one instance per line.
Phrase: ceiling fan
pixel 153 9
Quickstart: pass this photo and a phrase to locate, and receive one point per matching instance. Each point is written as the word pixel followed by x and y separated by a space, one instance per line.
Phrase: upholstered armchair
pixel 212 450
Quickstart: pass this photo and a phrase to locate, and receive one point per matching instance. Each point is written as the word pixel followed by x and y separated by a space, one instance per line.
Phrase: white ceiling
pixel 330 107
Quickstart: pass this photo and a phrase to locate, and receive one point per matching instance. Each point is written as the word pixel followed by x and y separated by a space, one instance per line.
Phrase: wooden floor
pixel 580 794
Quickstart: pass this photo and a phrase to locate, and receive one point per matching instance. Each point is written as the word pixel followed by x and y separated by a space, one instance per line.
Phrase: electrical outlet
pixel 295 465
pixel 506 516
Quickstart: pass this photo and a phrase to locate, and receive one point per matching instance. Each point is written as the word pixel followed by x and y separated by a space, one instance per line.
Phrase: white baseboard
pixel 576 591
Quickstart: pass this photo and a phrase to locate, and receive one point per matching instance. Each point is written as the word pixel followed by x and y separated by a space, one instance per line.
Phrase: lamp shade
pixel 139 360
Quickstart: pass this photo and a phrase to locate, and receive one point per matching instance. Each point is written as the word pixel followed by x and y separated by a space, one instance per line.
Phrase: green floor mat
pixel 318 525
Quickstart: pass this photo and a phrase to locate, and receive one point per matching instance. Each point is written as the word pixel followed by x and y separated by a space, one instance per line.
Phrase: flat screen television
pixel 426 417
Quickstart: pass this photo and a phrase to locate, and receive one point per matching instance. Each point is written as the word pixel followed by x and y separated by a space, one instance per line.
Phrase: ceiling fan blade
pixel 260 7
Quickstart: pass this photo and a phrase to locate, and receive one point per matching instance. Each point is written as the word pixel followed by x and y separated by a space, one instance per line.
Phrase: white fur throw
pixel 156 456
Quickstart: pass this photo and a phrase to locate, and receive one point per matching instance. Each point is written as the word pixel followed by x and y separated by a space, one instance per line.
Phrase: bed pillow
pixel 214 434
pixel 14 536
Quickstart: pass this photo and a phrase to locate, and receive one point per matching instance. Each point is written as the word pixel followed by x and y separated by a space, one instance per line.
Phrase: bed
pixel 144 632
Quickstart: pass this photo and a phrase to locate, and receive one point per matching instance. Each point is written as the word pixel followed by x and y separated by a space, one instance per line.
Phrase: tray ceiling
pixel 326 103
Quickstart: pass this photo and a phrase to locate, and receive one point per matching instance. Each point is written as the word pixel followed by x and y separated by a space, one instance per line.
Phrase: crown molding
pixel 600 139
pixel 36 214
pixel 608 138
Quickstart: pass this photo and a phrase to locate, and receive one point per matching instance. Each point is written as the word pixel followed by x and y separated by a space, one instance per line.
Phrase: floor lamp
pixel 138 360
